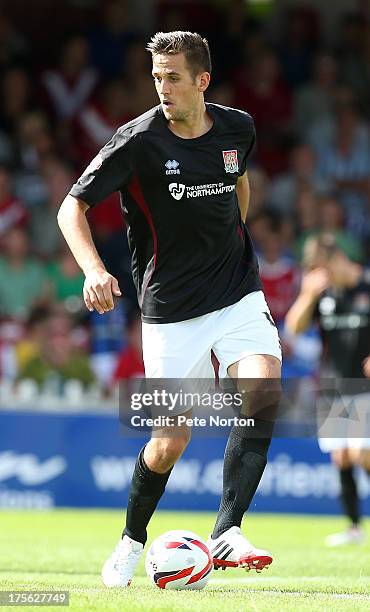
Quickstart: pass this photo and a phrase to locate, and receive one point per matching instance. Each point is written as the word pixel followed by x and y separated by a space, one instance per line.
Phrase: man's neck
pixel 197 124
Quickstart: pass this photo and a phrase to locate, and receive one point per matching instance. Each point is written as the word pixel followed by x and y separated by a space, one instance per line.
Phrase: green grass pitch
pixel 65 549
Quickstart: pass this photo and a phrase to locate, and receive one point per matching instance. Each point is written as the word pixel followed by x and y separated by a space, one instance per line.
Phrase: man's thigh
pixel 249 338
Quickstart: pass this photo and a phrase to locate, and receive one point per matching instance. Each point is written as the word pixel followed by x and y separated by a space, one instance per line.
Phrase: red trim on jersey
pixel 136 193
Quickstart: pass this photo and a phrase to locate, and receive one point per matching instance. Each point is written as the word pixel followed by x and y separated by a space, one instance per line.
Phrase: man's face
pixel 178 90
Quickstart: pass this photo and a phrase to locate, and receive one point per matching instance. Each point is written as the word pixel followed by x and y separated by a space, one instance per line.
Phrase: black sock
pixel 146 489
pixel 349 495
pixel 244 462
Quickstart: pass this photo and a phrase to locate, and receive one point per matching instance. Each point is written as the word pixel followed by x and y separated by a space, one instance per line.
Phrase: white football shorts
pixel 351 430
pixel 183 349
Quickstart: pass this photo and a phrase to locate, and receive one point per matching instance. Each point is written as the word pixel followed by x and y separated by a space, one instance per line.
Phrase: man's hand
pixel 100 286
pixel 315 282
pixel 99 289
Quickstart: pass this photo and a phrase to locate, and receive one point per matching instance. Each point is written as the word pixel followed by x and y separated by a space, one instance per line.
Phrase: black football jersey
pixel 344 318
pixel 191 252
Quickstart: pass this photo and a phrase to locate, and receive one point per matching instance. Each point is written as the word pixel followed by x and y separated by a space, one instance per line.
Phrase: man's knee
pixel 256 367
pixel 261 397
pixel 341 458
pixel 174 447
pixel 361 457
pixel 258 375
pixel 162 453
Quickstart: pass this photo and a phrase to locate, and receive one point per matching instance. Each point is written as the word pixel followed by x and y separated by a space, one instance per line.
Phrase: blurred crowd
pixel 310 171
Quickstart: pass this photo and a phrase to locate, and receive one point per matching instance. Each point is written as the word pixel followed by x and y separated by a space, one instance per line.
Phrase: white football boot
pixel 119 568
pixel 353 535
pixel 232 549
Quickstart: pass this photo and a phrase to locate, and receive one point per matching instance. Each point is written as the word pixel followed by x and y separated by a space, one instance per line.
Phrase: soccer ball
pixel 179 560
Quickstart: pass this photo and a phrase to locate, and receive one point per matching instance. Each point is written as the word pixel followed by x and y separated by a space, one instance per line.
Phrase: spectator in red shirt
pixel 130 361
pixel 279 272
pixel 97 122
pixel 266 97
pixel 69 86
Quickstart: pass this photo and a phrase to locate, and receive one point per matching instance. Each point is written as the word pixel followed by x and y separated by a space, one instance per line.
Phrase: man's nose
pixel 164 87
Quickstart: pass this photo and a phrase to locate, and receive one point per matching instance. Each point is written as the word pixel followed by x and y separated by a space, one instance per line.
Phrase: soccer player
pixel 181 170
pixel 336 292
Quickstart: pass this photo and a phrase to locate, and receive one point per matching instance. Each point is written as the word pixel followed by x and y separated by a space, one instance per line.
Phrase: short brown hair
pixel 194 47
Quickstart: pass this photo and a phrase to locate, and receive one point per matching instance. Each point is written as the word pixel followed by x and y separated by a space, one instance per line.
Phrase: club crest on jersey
pixel 172 166
pixel 176 190
pixel 231 161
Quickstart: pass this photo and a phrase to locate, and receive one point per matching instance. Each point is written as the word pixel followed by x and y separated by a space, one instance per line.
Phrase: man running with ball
pixel 181 170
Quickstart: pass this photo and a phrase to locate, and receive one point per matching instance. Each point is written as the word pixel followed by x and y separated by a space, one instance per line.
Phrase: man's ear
pixel 203 81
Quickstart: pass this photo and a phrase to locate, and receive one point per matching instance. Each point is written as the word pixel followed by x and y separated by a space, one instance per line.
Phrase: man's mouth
pixel 167 103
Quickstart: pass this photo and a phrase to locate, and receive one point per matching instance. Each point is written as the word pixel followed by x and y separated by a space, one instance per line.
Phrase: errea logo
pixel 172 166
pixel 176 190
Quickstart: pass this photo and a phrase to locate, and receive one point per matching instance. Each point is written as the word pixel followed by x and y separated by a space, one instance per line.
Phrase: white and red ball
pixel 179 559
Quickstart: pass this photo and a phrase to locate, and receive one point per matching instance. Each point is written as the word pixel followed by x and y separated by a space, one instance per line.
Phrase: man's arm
pixel 243 194
pixel 300 315
pixel 100 286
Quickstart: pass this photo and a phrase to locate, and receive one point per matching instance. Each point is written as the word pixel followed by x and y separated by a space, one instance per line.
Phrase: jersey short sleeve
pixel 109 171
pixel 248 132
